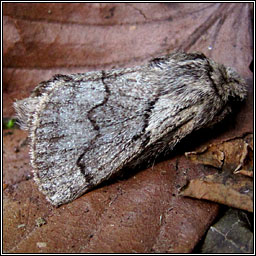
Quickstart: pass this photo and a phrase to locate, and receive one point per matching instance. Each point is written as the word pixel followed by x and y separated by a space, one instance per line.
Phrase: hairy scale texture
pixel 86 127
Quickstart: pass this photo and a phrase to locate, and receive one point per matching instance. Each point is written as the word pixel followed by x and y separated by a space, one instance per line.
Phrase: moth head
pixel 234 85
pixel 237 85
pixel 228 83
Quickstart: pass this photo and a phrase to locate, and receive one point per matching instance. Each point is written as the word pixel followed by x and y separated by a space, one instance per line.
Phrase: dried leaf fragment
pixel 232 185
pixel 230 155
pixel 246 161
pixel 211 155
pixel 233 190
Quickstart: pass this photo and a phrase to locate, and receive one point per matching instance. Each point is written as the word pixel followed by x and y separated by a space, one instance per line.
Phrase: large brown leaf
pixel 142 213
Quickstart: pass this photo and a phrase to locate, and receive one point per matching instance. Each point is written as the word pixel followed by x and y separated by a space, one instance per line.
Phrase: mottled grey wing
pixel 85 130
pixel 89 129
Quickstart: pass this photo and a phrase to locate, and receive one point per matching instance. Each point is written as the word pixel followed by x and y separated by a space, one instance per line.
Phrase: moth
pixel 86 127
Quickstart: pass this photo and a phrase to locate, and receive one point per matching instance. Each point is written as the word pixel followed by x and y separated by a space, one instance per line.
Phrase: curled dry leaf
pixel 232 155
pixel 235 191
pixel 230 186
pixel 246 161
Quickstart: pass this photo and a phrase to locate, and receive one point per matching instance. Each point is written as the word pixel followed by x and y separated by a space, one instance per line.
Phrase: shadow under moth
pixel 86 127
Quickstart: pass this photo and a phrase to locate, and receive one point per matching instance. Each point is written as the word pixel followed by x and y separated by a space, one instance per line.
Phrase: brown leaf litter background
pixel 144 212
